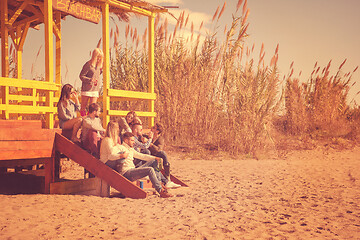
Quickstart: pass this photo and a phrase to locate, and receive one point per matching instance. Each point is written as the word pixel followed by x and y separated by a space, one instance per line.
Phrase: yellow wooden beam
pixel 18 36
pixel 17 41
pixel 123 113
pixel 139 4
pixel 151 65
pixel 23 35
pixel 18 54
pixel 58 50
pixel 27 20
pixel 130 8
pixel 27 109
pixel 4 54
pixel 106 69
pixel 13 36
pixel 49 58
pixel 34 10
pixel 11 82
pixel 56 31
pixel 25 98
pixel 131 94
pixel 30 98
pixel 18 12
pixel 4 39
pixel 34 95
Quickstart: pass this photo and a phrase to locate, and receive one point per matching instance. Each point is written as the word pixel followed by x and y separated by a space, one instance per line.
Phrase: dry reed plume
pixel 203 91
pixel 211 89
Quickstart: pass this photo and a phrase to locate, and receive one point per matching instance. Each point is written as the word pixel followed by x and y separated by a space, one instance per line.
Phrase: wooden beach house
pixel 29 142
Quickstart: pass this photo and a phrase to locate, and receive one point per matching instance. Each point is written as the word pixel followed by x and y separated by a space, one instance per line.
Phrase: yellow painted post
pixel 4 55
pixel 49 59
pixel 18 53
pixel 151 66
pixel 18 62
pixel 58 51
pixel 106 69
pixel 33 93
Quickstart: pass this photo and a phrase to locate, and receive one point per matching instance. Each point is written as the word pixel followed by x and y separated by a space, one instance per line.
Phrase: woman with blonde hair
pixel 121 158
pixel 90 77
pixel 110 148
pixel 67 111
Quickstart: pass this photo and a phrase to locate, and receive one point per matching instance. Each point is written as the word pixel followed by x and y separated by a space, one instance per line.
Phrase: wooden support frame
pixel 57 28
pixel 49 58
pixel 17 12
pixel 106 69
pixel 4 54
pixel 129 8
pixel 151 66
pixel 43 11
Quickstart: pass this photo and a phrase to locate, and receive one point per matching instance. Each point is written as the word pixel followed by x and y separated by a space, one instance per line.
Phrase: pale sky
pixel 307 31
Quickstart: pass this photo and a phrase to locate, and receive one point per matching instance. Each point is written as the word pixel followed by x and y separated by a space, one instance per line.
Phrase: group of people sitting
pixel 122 146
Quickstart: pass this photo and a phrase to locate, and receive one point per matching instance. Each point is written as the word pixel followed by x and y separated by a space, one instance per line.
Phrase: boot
pixel 164 194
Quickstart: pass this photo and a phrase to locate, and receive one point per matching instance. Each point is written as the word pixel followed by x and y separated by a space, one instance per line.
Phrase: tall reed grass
pixel 205 95
pixel 319 107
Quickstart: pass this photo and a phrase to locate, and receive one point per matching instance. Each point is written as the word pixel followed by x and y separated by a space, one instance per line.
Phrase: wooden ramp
pixel 98 168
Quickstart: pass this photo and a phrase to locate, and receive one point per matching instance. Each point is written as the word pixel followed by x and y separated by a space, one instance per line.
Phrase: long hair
pixel 97 53
pixel 112 131
pixel 65 93
pixel 133 113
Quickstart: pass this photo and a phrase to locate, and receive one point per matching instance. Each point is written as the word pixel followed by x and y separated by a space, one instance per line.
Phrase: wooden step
pixel 33 124
pixel 89 186
pixel 26 143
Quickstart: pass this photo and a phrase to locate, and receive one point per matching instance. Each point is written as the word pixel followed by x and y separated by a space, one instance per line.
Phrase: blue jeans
pixel 139 162
pixel 159 175
pixel 144 170
pixel 166 163
pixel 113 163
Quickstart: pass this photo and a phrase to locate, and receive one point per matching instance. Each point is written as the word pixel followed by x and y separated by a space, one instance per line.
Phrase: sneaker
pixel 164 194
pixel 171 184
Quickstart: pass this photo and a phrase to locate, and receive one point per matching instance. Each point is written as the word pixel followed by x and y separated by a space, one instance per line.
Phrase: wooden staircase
pixel 25 143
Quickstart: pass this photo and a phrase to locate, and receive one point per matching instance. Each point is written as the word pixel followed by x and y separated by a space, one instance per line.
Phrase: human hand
pixel 124 155
pixel 159 160
pixel 151 134
pixel 74 94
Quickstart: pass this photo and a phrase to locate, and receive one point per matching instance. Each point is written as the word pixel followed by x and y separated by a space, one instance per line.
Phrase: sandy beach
pixel 304 195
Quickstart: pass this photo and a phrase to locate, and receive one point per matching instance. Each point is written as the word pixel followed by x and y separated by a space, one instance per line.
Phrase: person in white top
pixel 120 158
pixel 92 130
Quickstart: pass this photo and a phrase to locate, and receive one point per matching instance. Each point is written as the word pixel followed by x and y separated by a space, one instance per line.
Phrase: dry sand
pixel 306 195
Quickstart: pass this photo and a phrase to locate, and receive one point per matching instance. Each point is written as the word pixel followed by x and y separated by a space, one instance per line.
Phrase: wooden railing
pixel 123 95
pixel 21 97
